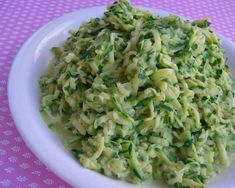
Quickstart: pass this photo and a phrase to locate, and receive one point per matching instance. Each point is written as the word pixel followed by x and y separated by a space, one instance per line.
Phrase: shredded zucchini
pixel 143 98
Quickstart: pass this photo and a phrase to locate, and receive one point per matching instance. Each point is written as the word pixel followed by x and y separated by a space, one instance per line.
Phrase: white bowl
pixel 30 63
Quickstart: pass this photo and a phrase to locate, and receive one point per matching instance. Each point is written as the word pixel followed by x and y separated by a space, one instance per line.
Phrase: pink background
pixel 18 20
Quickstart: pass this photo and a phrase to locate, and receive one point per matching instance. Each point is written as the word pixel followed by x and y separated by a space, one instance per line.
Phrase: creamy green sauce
pixel 141 98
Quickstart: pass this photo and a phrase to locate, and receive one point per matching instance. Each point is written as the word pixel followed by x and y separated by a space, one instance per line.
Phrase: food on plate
pixel 143 98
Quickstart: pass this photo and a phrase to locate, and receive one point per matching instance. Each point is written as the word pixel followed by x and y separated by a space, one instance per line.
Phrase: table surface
pixel 18 20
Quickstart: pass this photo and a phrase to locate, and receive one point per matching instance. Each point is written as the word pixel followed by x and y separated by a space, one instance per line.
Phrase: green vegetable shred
pixel 143 98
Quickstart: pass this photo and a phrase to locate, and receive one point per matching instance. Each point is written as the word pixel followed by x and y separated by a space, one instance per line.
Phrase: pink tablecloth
pixel 18 20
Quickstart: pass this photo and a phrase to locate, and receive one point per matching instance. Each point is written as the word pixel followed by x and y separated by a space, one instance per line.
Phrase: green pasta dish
pixel 143 98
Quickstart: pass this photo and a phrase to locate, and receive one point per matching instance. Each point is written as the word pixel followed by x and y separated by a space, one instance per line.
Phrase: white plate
pixel 29 64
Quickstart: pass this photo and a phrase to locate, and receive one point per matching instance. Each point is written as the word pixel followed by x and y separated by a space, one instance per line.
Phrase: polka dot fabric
pixel 19 19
